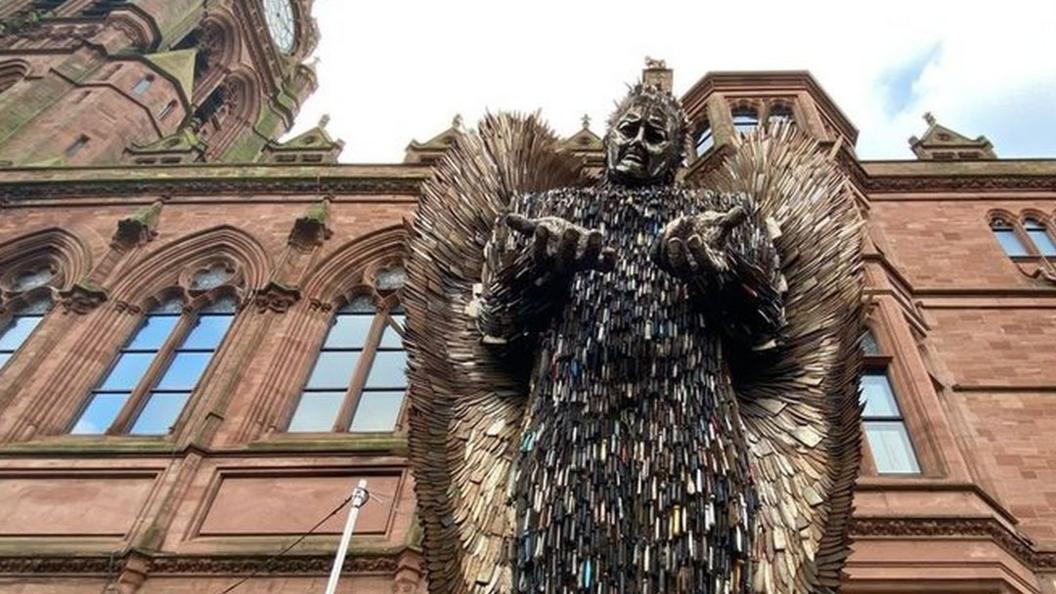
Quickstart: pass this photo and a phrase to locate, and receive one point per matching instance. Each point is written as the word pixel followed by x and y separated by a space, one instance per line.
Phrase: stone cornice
pixel 18 184
pixel 954 176
pixel 200 564
pixel 955 527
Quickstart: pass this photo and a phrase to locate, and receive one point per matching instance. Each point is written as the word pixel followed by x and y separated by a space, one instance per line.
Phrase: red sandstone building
pixel 199 325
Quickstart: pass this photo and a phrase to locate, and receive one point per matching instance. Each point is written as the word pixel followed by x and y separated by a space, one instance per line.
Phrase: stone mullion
pixel 288 370
pixel 51 411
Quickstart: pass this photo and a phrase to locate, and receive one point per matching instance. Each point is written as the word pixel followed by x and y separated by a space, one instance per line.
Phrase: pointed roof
pixel 432 149
pixel 314 145
pixel 943 144
pixel 585 144
pixel 178 65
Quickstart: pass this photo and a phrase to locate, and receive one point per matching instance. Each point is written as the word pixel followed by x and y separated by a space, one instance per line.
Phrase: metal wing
pixel 800 401
pixel 466 407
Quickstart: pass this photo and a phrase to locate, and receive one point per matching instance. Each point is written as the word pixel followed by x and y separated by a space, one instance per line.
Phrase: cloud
pixel 393 71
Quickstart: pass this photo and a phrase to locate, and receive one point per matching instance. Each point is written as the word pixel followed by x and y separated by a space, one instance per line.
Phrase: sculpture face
pixel 641 147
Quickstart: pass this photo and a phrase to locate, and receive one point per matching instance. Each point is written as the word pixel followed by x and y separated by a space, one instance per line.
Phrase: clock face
pixel 281 23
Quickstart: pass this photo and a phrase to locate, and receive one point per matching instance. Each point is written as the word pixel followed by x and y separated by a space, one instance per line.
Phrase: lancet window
pixel 358 380
pixel 1032 237
pixel 745 119
pixel 885 426
pixel 28 298
pixel 156 372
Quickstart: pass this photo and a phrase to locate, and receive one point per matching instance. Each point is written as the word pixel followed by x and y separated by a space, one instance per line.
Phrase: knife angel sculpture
pixel 630 384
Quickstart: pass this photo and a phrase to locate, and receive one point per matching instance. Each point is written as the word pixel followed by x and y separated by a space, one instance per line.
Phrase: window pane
pixel 333 370
pixel 377 411
pixel 160 412
pixel 208 332
pixel 349 331
pixel 892 450
pixel 317 411
pixel 1043 242
pixel 127 372
pixel 184 371
pixel 389 370
pixel 878 396
pixel 99 414
pixel 1010 242
pixel 152 333
pixel 17 332
pixel 391 339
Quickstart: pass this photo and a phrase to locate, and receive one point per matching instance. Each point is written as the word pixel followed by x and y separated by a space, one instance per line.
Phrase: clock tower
pixel 150 82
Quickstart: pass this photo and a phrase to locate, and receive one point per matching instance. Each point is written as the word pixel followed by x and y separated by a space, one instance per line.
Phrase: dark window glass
pixel 1009 240
pixel 780 113
pixel 705 140
pixel 885 429
pixel 20 326
pixel 1040 236
pixel 745 120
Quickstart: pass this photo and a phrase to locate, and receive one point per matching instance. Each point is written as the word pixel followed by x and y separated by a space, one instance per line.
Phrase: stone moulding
pixel 218 564
pixel 953 183
pixel 861 528
pixel 956 527
pixel 20 190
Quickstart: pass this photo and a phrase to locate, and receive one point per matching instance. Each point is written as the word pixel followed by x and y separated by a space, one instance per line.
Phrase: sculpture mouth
pixel 634 157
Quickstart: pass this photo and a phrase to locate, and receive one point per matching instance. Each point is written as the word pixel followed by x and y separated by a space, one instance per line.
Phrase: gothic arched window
pixel 779 113
pixel 1006 235
pixel 29 300
pixel 883 421
pixel 359 378
pixel 154 375
pixel 745 119
pixel 1039 235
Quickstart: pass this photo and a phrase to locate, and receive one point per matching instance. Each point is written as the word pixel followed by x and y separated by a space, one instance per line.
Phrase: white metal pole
pixel 359 497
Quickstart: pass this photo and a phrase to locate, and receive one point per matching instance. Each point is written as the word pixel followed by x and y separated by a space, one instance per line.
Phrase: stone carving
pixel 635 385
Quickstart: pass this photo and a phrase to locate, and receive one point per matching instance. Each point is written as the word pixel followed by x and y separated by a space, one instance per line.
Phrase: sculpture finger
pixel 607 261
pixel 540 245
pixel 699 254
pixel 520 223
pixel 592 245
pixel 566 249
pixel 676 255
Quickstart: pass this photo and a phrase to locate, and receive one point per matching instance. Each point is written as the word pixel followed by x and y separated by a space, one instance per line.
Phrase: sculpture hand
pixel 562 247
pixel 694 245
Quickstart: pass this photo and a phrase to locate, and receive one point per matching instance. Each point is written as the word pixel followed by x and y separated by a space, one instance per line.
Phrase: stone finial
pixel 929 118
pixel 586 121
pixel 324 121
pixel 456 122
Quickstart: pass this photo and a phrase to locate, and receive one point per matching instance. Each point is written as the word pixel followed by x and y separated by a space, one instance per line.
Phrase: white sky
pixel 392 70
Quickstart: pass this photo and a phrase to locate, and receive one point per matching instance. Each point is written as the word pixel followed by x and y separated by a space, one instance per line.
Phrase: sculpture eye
pixel 655 135
pixel 629 129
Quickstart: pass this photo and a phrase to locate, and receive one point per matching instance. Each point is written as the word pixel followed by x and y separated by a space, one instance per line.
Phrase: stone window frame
pixel 1033 263
pixel 384 301
pixel 14 301
pixel 194 301
pixel 883 362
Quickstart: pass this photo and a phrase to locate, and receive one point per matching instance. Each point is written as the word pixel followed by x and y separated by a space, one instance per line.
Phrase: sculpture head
pixel 646 140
